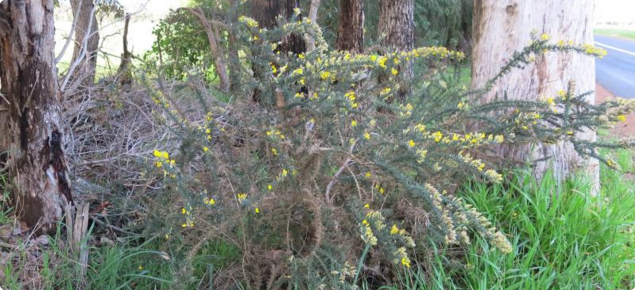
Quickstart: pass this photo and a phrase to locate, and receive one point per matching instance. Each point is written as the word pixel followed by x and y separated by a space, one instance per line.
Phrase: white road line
pixel 615 48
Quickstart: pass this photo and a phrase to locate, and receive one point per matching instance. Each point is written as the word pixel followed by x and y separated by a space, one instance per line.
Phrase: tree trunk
pixel 124 74
pixel 313 14
pixel 37 166
pixel 350 35
pixel 265 12
pixel 502 27
pixel 86 46
pixel 213 37
pixel 396 26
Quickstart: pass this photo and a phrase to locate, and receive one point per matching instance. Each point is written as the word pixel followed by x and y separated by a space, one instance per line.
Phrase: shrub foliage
pixel 340 175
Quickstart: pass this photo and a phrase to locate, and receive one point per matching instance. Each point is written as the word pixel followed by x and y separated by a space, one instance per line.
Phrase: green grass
pixel 630 34
pixel 562 239
pixel 4 201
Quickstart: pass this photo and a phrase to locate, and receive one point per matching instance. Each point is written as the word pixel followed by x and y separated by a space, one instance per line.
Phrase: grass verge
pixel 568 240
pixel 630 34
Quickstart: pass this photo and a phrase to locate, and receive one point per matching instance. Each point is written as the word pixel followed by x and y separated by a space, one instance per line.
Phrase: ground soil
pixel 623 129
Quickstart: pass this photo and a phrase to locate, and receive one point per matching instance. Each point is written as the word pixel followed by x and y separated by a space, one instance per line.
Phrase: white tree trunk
pixel 502 27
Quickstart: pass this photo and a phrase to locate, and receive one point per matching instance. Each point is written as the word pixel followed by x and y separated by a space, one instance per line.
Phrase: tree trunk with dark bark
pixel 34 135
pixel 350 35
pixel 396 24
pixel 396 27
pixel 502 27
pixel 86 45
pixel 265 12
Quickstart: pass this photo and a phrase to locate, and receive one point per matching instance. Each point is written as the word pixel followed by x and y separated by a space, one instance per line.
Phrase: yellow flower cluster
pixel 377 221
pixel 401 257
pixel 347 272
pixel 163 159
pixel 248 21
pixel 497 238
pixel 241 197
pixel 379 188
pixel 350 95
pixel 437 201
pixel 208 200
pixel 406 110
pixel 593 50
pixel 275 133
pixel 189 219
pixel 395 231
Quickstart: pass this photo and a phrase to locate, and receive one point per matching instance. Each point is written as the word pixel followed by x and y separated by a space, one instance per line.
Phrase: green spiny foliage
pixel 331 157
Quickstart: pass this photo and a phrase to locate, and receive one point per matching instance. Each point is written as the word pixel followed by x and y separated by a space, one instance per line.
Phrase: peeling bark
pixel 36 161
pixel 502 27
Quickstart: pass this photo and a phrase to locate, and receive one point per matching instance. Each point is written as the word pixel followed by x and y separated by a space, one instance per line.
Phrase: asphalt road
pixel 616 71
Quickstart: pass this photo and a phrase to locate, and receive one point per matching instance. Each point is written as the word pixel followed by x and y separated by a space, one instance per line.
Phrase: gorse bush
pixel 340 175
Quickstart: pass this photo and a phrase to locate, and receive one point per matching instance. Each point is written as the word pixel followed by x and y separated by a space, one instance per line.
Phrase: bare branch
pixel 70 34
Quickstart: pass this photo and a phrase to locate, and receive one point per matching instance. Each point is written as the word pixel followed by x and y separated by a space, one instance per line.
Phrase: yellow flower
pixel 157 153
pixel 621 118
pixel 159 164
pixel 241 197
pixel 544 37
pixel 394 230
pixel 274 151
pixel 284 172
pixel 394 71
pixel 366 136
pixel 205 149
pixel 382 61
pixel 353 123
pixel 140 267
pixel 412 143
pixel 550 101
pixel 325 75
pixel 269 187
pixel 437 136
pixel 368 174
pixel 366 206
pixel 405 261
pixel 257 210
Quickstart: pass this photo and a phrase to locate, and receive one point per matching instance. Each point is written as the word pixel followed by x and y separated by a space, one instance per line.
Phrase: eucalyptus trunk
pixel 33 130
pixel 502 27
